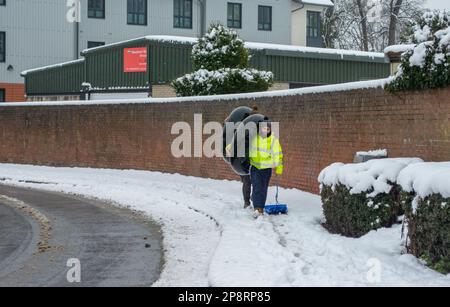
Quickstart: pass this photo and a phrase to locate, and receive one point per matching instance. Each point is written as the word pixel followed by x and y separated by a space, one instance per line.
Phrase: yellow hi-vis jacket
pixel 266 153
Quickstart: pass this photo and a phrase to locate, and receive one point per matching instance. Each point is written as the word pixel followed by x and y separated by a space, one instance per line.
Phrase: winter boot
pixel 246 205
pixel 258 212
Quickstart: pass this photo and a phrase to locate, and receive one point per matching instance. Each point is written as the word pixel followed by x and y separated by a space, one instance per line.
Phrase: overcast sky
pixel 438 4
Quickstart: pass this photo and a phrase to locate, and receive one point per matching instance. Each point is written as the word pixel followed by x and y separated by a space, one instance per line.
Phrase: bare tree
pixel 395 7
pixel 362 11
pixel 369 25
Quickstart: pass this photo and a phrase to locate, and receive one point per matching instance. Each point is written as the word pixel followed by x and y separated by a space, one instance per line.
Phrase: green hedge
pixel 354 215
pixel 429 230
pixel 223 81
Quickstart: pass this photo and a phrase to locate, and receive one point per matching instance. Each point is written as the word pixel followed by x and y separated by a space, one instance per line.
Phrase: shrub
pixel 223 81
pixel 427 213
pixel 354 215
pixel 427 65
pixel 361 197
pixel 429 231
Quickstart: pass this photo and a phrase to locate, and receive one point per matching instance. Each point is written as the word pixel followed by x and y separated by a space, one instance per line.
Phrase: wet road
pixel 45 235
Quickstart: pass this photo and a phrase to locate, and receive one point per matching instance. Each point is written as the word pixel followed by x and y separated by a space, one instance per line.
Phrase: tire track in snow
pixel 176 192
pixel 220 228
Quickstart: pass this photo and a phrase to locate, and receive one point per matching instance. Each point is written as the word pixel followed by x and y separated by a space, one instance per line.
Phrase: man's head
pixel 265 128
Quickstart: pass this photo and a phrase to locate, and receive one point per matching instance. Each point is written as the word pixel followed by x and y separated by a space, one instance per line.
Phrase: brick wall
pixel 278 86
pixel 53 98
pixel 163 91
pixel 316 130
pixel 15 92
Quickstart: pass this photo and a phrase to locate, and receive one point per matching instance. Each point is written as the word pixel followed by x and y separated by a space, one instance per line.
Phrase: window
pixel 137 12
pixel 182 14
pixel 96 9
pixel 2 95
pixel 234 19
pixel 313 24
pixel 2 47
pixel 2 2
pixel 313 30
pixel 264 18
pixel 94 44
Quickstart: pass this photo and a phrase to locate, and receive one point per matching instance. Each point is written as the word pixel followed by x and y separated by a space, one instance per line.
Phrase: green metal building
pixel 104 71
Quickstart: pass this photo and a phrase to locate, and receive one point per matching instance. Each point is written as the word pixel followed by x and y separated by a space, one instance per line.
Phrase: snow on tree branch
pixel 427 64
pixel 221 67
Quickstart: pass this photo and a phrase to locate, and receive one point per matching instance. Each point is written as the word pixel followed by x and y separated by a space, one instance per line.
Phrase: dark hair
pixel 254 110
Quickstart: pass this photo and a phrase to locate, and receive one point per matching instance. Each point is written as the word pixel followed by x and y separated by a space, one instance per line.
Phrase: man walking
pixel 246 190
pixel 265 155
pixel 246 181
pixel 246 184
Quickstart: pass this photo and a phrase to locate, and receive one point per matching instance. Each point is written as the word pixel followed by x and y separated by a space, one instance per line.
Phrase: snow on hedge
pixel 374 176
pixel 206 82
pixel 426 179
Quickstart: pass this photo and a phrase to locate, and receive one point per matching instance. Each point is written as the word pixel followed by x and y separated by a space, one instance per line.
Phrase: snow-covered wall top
pixel 283 93
pixel 426 179
pixel 373 153
pixel 375 176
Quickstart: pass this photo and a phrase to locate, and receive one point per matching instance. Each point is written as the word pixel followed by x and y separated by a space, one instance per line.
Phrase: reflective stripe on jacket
pixel 266 153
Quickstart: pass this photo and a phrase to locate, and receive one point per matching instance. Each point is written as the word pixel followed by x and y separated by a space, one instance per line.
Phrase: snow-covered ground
pixel 210 240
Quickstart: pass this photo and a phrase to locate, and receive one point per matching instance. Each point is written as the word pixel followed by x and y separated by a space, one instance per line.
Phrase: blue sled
pixel 276 209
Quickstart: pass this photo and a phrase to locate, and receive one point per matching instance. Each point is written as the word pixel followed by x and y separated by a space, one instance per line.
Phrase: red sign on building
pixel 135 60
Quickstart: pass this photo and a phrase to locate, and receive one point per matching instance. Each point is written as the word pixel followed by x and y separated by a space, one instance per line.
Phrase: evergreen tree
pixel 221 67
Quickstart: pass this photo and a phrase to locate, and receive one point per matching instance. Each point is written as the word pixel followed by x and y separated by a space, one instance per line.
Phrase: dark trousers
pixel 246 188
pixel 260 183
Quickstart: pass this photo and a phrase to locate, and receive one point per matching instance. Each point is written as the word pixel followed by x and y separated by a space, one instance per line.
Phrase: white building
pixel 306 19
pixel 36 33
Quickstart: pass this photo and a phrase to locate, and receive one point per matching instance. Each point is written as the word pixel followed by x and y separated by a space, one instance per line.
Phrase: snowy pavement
pixel 209 240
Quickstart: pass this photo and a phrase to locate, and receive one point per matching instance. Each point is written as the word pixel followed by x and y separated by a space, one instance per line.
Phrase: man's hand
pixel 279 171
pixel 228 151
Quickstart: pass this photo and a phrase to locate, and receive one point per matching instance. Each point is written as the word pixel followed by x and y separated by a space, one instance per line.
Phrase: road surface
pixel 46 237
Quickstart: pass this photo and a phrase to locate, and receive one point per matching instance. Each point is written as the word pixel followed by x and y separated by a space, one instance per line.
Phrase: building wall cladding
pixel 15 92
pixel 316 130
pixel 216 11
pixel 160 13
pixel 37 34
